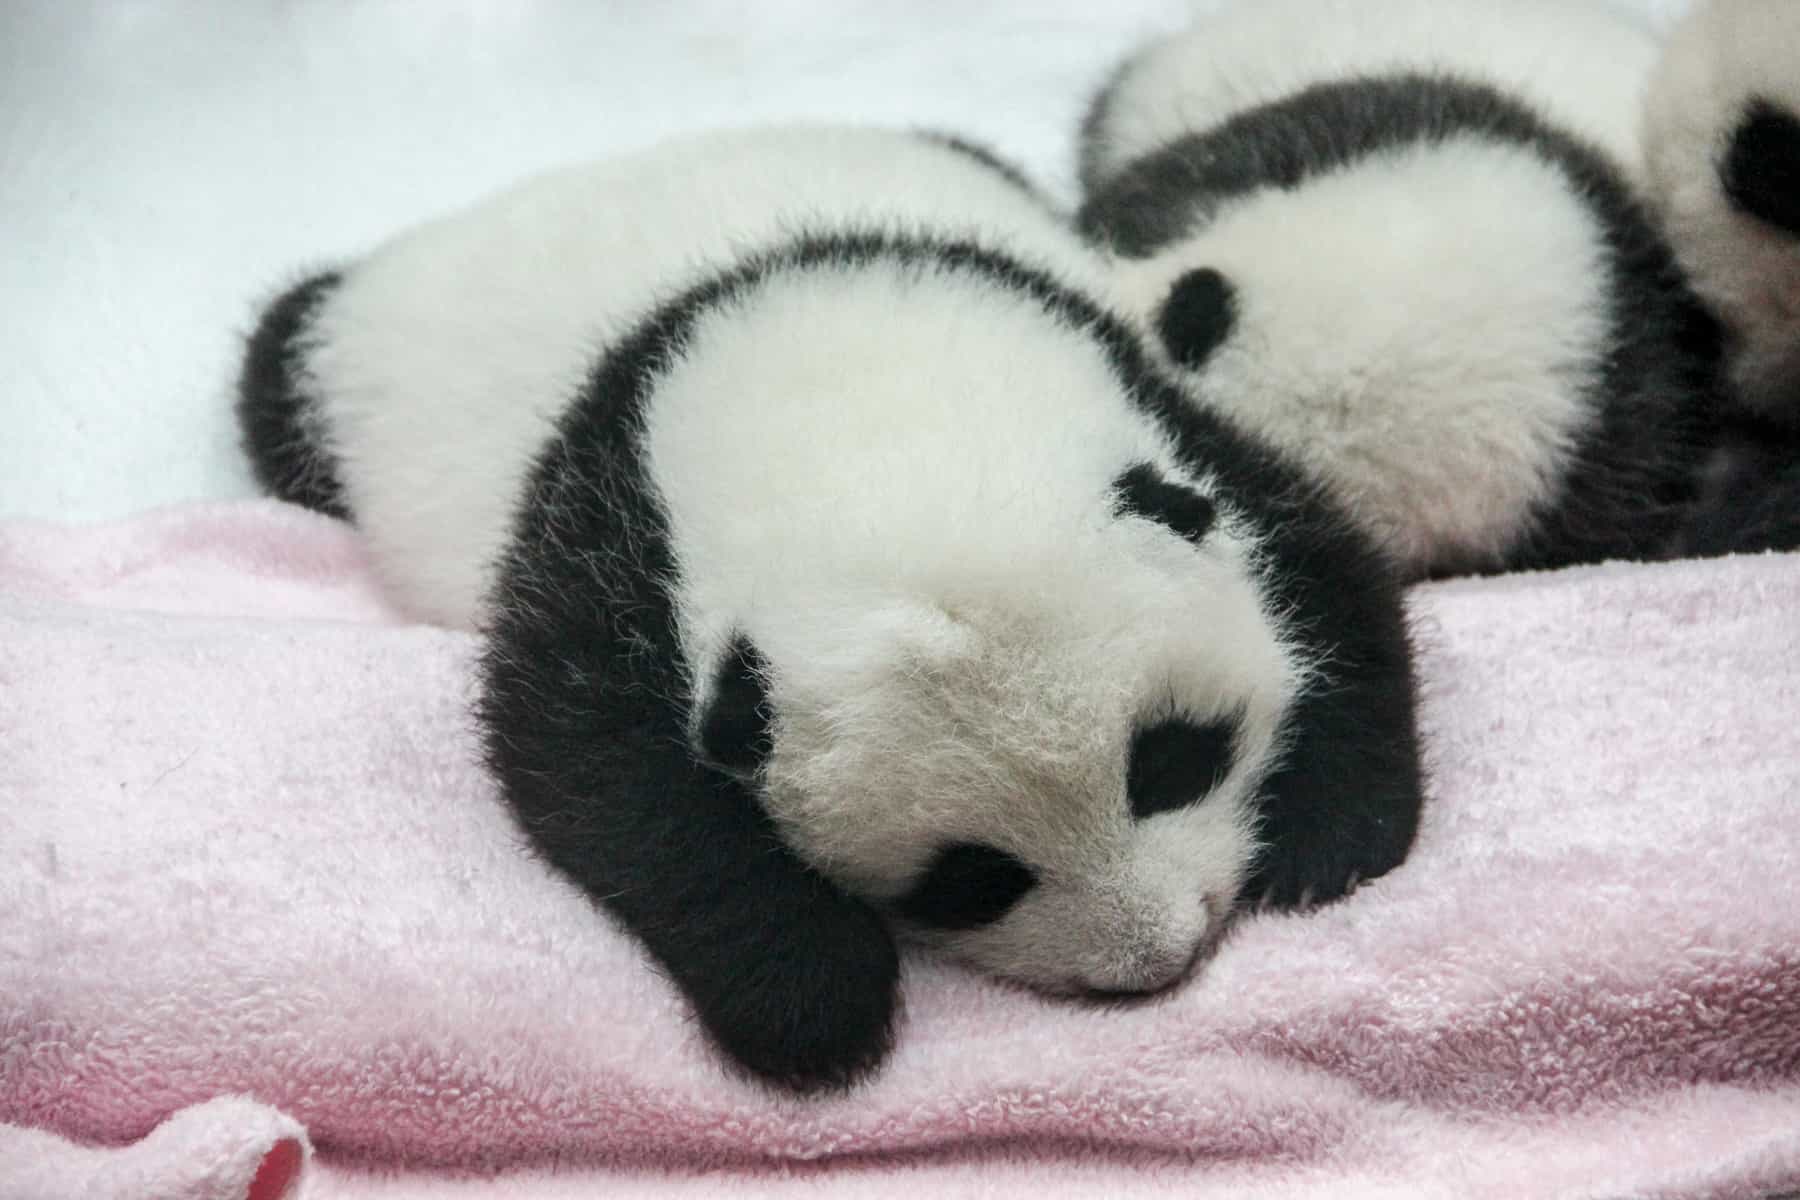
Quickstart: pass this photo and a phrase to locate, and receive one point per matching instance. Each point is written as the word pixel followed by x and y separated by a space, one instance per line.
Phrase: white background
pixel 165 166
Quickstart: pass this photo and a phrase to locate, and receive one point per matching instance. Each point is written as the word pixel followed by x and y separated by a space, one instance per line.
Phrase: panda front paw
pixel 1299 878
pixel 1343 811
pixel 819 1020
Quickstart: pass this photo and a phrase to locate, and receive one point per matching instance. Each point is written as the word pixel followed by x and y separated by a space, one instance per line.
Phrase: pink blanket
pixel 246 853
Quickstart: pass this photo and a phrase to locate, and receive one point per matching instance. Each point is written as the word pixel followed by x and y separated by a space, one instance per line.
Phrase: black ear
pixel 733 728
pixel 794 979
pixel 1761 172
pixel 1141 491
pixel 278 420
pixel 1197 317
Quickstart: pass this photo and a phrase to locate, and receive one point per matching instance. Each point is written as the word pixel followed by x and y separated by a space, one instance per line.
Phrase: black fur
pixel 1142 492
pixel 987 157
pixel 1197 317
pixel 1761 172
pixel 585 715
pixel 967 886
pixel 734 725
pixel 1752 501
pixel 1343 804
pixel 585 708
pixel 1761 516
pixel 1176 763
pixel 1633 477
pixel 271 406
pixel 1089 147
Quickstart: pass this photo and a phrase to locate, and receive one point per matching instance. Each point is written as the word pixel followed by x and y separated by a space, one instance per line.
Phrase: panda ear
pixel 731 729
pixel 1197 317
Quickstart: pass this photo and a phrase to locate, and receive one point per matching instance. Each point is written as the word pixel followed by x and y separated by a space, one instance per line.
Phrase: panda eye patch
pixel 1143 492
pixel 968 885
pixel 1177 762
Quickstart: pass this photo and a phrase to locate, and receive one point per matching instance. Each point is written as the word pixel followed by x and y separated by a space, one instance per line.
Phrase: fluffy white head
pixel 932 750
pixel 1012 701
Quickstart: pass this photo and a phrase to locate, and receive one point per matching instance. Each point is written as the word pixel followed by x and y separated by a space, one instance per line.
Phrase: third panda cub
pixel 1405 240
pixel 1723 147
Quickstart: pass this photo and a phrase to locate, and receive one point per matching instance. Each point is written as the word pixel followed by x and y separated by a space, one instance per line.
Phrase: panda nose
pixel 1147 980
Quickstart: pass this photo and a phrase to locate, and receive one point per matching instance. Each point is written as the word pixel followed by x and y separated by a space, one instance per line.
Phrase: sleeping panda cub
pixel 843 568
pixel 1405 241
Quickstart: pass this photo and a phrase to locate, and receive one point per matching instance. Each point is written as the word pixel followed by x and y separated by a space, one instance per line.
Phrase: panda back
pixel 1455 310
pixel 1578 62
pixel 439 365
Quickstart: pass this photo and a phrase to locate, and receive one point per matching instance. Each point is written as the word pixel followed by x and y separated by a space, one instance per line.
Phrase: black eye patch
pixel 734 728
pixel 968 885
pixel 1175 763
pixel 1762 169
pixel 1143 492
pixel 1197 317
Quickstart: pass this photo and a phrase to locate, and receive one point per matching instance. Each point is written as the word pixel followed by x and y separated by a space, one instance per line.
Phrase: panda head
pixel 1044 766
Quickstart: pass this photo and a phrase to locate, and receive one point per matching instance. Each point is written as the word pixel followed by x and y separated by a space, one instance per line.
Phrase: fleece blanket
pixel 249 860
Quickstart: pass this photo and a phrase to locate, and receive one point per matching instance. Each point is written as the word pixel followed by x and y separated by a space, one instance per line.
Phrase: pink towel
pixel 247 853
pixel 225 1149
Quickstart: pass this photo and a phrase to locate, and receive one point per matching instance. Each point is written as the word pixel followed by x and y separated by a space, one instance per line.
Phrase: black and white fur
pixel 1406 241
pixel 840 564
pixel 1722 136
pixel 1722 139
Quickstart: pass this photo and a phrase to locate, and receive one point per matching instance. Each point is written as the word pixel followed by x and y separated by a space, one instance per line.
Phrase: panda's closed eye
pixel 1177 762
pixel 1142 491
pixel 967 885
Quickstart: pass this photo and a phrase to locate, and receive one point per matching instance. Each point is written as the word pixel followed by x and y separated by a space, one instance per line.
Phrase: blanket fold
pixel 248 852
pixel 231 1148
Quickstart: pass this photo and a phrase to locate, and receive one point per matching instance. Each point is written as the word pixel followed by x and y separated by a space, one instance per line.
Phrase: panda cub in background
pixel 1723 148
pixel 842 566
pixel 1405 240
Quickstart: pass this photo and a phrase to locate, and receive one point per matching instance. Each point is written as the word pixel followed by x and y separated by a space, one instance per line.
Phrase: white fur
pixel 966 634
pixel 895 481
pixel 564 263
pixel 1724 54
pixel 1418 328
pixel 1583 64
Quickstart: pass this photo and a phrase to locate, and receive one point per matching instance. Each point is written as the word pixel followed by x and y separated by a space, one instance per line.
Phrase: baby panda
pixel 1722 144
pixel 843 568
pixel 1405 240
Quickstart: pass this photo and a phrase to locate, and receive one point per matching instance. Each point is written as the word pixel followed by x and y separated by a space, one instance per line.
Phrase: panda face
pixel 1051 780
